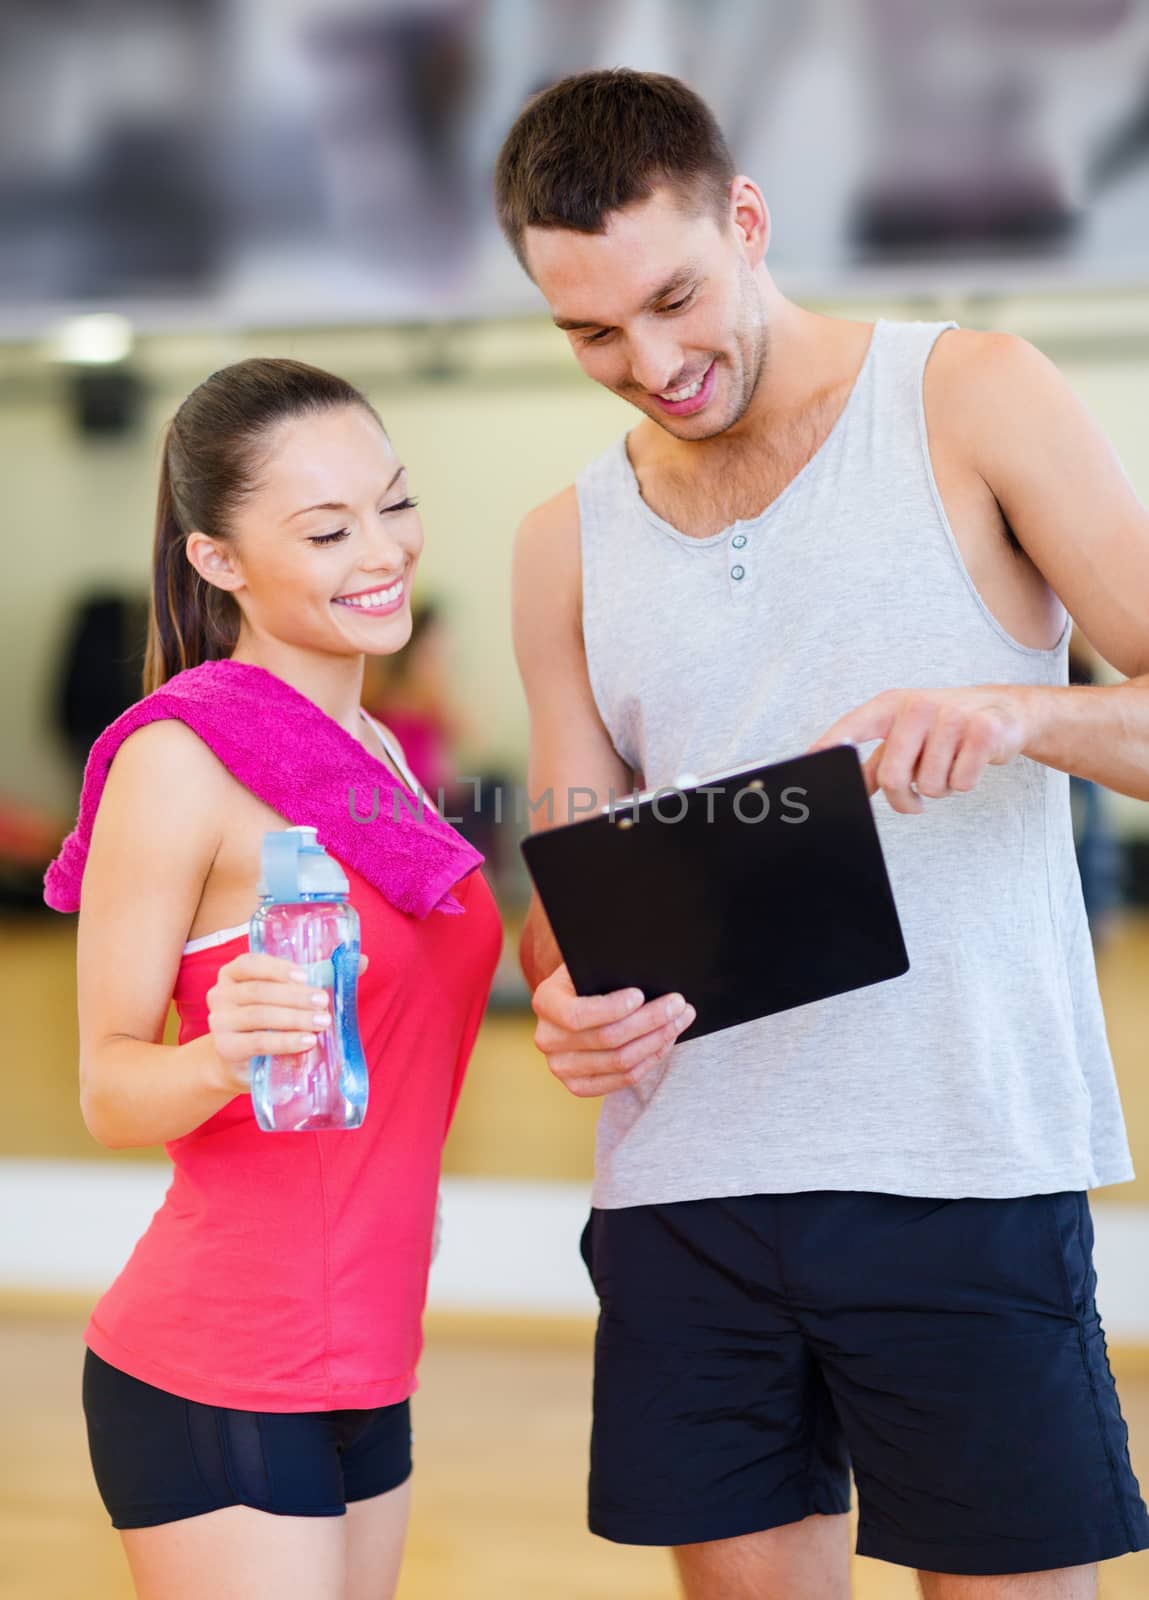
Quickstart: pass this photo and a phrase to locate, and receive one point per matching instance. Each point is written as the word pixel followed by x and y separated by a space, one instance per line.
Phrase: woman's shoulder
pixel 164 753
pixel 155 834
pixel 163 771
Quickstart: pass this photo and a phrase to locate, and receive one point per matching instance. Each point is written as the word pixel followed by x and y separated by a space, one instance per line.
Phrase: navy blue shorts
pixel 158 1458
pixel 751 1350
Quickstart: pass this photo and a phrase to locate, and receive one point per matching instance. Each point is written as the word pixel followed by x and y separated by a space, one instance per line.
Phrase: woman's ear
pixel 214 562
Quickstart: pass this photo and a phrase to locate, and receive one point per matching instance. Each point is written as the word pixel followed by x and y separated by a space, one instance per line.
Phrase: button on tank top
pixel 288 1271
pixel 985 1069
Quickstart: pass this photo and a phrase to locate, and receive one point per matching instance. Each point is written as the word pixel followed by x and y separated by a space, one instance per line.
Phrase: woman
pixel 247 1377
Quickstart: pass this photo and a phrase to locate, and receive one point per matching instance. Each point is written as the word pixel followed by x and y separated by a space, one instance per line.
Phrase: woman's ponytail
pixel 189 621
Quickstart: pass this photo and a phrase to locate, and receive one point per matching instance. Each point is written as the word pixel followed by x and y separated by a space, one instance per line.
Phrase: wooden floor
pixel 501 1434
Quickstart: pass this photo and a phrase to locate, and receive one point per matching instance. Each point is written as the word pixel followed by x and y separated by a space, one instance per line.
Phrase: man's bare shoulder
pixel 548 559
pixel 987 394
pixel 986 367
pixel 546 582
pixel 555 521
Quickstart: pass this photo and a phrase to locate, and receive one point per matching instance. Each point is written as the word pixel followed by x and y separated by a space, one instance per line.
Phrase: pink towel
pixel 290 753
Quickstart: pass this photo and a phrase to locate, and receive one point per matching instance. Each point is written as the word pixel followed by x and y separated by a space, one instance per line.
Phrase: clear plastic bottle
pixel 304 914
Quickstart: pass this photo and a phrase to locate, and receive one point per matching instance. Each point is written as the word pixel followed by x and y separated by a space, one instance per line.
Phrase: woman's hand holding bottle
pixel 263 1005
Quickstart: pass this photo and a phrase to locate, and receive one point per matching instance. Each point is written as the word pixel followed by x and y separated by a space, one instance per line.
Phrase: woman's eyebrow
pixel 338 505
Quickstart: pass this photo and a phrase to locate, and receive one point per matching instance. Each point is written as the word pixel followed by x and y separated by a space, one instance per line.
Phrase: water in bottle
pixel 304 914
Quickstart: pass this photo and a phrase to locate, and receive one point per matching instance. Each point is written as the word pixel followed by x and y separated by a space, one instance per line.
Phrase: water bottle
pixel 305 915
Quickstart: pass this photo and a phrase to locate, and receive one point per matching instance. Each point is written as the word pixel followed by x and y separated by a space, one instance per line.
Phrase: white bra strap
pixel 221 936
pixel 392 749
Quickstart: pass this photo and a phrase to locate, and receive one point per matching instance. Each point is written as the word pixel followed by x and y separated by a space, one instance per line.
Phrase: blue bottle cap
pixel 293 863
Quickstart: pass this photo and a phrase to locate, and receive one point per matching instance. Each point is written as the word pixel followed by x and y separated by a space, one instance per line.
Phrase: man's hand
pixel 936 741
pixel 595 1044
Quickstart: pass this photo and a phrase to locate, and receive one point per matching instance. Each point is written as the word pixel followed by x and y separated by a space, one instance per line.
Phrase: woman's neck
pixel 334 683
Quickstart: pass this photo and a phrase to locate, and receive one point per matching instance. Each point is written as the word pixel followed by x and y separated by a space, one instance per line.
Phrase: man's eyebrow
pixel 337 505
pixel 679 280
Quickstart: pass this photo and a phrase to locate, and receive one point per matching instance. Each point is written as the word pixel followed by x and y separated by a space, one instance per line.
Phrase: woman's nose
pixel 385 552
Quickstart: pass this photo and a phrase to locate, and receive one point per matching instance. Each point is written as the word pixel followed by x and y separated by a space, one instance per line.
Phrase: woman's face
pixel 325 546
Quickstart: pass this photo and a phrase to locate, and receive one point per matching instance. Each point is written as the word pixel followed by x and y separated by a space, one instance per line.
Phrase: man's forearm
pixel 539 955
pixel 1094 731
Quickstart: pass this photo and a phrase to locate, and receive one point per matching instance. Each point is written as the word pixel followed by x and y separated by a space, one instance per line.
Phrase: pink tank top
pixel 288 1271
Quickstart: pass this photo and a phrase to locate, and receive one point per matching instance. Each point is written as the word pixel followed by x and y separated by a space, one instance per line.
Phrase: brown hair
pixel 598 141
pixel 210 463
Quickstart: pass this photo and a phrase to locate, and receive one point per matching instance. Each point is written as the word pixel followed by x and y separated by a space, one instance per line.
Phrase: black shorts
pixel 158 1458
pixel 751 1350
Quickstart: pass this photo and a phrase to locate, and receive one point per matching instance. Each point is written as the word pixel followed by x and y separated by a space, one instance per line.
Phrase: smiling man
pixel 856 1232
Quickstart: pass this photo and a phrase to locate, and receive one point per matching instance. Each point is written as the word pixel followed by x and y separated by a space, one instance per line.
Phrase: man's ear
pixel 750 216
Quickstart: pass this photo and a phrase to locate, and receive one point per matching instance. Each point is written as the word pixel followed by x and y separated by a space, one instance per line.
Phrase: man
pixel 856 1231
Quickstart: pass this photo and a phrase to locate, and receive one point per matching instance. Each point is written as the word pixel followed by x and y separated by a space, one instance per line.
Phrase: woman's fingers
pixel 263 1018
pixel 237 1046
pixel 259 1007
pixel 296 996
pixel 277 1044
pixel 252 964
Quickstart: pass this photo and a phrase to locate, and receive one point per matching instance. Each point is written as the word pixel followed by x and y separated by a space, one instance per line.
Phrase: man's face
pixel 662 308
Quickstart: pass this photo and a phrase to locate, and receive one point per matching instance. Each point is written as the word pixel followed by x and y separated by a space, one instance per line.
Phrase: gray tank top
pixel 985 1069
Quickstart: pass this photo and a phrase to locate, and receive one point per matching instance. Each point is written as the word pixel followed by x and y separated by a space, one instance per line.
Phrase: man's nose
pixel 655 365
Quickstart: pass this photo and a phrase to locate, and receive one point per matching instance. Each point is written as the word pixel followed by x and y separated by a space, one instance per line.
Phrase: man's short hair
pixel 598 141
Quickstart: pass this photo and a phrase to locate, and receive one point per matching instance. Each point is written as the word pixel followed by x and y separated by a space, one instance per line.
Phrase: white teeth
pixel 370 602
pixel 687 393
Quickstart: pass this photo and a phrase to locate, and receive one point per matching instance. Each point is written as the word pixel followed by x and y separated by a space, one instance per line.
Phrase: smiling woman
pixel 248 1373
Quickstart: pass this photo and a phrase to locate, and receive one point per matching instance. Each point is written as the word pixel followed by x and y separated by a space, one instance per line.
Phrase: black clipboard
pixel 750 892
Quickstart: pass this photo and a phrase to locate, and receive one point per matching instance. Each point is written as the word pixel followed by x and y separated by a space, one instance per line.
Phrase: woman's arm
pixel 140 1094
pixel 155 838
pixel 153 842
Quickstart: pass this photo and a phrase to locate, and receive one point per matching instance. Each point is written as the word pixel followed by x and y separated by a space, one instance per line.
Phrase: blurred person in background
pixel 99 673
pixel 855 1233
pixel 412 692
pixel 247 1378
